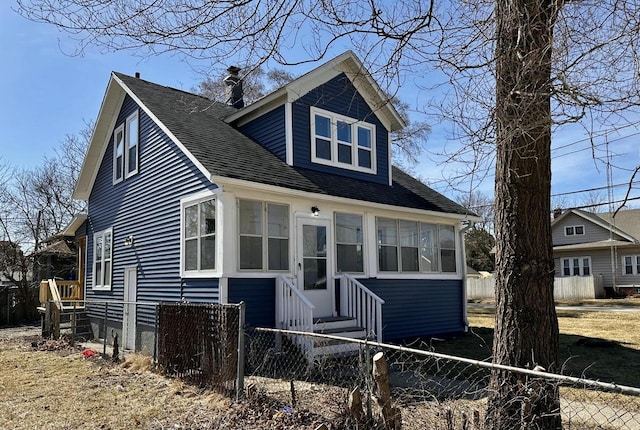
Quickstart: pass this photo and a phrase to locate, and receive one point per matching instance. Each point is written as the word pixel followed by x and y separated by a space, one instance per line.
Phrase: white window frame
pixel 355 147
pixel 362 244
pixel 573 230
pixel 188 202
pixel 635 262
pixel 118 178
pixel 581 258
pixel 265 237
pixel 127 143
pixel 100 284
pixel 437 248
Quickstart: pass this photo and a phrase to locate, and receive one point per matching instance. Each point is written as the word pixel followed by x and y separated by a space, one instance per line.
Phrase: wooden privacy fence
pixel 570 287
pixel 203 343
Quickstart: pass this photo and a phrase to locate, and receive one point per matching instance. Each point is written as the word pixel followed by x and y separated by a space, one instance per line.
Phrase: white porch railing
pixel 359 302
pixel 293 310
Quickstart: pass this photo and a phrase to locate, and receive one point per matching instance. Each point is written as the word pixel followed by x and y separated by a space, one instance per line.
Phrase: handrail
pixel 359 302
pixel 293 309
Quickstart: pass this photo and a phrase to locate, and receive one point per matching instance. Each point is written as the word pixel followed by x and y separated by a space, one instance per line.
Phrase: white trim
pixel 119 130
pixel 127 144
pixel 288 132
pixel 335 143
pixel 223 288
pixel 289 192
pixel 389 155
pixel 195 199
pixel 94 285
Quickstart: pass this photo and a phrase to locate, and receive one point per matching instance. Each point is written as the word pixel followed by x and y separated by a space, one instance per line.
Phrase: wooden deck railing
pixel 359 302
pixel 60 292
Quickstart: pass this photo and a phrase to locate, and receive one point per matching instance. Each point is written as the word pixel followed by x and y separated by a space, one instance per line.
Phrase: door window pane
pixel 315 273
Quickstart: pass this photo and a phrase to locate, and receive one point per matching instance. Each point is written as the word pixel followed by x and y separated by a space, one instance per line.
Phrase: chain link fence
pixel 426 390
pixel 201 344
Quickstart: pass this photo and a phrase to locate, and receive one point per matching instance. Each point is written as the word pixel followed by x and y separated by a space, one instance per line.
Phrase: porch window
pixel 102 260
pixel 410 246
pixel 340 141
pixel 349 243
pixel 576 266
pixel 263 247
pixel 199 235
pixel 631 264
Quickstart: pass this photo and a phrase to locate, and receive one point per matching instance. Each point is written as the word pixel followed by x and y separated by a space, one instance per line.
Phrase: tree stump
pixel 391 415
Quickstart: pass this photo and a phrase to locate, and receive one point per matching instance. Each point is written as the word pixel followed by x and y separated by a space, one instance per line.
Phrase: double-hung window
pixel 125 148
pixel 340 141
pixel 199 235
pixel 263 236
pixel 102 259
pixel 132 145
pixel 631 265
pixel 576 266
pixel 573 230
pixel 411 246
pixel 349 243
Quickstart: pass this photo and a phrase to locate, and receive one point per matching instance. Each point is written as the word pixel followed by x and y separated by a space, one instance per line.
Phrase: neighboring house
pixel 290 199
pixel 589 244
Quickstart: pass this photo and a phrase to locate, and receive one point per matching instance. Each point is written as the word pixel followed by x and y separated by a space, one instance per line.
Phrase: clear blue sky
pixel 47 94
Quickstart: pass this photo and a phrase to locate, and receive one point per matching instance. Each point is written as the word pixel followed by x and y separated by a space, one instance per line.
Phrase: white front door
pixel 129 310
pixel 313 264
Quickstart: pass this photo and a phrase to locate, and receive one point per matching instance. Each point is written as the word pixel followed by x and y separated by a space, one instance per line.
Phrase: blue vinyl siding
pixel 340 96
pixel 147 206
pixel 419 307
pixel 260 298
pixel 269 131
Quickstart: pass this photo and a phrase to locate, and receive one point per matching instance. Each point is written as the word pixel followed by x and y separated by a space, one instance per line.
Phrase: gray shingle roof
pixel 198 124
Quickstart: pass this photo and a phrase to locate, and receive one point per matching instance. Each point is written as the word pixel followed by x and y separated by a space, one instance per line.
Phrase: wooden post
pixel 355 405
pixel 391 415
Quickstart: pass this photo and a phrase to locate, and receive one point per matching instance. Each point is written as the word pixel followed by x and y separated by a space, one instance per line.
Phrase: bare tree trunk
pixel 526 333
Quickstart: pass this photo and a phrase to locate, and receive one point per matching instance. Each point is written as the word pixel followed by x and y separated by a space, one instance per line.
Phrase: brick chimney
pixel 234 88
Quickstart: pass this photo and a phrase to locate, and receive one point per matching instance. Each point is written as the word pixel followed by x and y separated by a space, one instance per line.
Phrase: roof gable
pixel 221 152
pixel 346 63
pixel 604 221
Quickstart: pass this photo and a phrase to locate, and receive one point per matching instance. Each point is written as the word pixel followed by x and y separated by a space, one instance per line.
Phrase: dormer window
pixel 341 141
pixel 572 230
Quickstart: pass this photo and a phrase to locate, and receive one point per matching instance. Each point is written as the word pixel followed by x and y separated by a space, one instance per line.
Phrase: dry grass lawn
pixel 598 345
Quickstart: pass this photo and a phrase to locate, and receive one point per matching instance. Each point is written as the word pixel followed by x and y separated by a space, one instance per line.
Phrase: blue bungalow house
pixel 289 204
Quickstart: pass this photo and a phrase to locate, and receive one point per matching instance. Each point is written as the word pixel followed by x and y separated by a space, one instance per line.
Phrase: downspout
pixel 466 225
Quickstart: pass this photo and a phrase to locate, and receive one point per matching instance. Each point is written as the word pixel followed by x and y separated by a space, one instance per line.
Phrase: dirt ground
pixel 49 385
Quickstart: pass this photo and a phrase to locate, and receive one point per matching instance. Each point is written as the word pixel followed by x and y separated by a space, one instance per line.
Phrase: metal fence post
pixel 240 372
pixel 106 311
pixel 155 335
